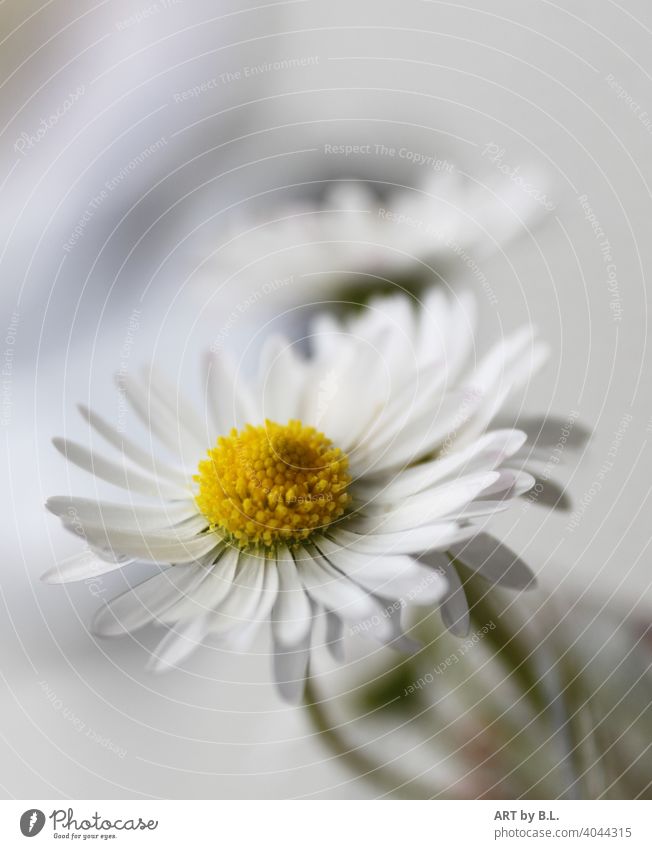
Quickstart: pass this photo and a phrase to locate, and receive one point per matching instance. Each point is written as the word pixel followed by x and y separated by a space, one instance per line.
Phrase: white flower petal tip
pixel 177 645
pixel 368 452
pixel 84 566
pixel 485 482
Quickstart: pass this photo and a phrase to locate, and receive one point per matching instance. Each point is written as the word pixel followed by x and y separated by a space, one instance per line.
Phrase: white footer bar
pixel 327 824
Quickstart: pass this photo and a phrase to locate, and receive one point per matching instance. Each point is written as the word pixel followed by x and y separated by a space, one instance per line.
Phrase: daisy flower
pixel 355 230
pixel 312 490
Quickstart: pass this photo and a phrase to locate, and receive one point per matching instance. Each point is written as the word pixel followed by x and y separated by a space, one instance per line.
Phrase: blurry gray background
pixel 96 278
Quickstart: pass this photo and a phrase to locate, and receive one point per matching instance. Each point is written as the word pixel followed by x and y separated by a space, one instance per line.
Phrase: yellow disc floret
pixel 273 483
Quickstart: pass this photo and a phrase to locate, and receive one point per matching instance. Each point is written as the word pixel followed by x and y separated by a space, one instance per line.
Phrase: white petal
pixel 506 368
pixel 392 576
pixel 512 483
pixel 416 437
pixel 325 337
pixel 111 472
pixel 490 372
pixel 230 401
pixel 178 644
pixel 550 494
pixel 479 508
pixel 484 454
pixel 171 546
pixel 107 537
pixel 243 599
pixel 446 329
pixel 149 462
pixel 425 507
pixel 526 367
pixel 155 416
pixel 291 615
pixel 206 594
pixel 333 589
pixel 81 567
pixel 269 592
pixel 190 427
pixel 280 380
pixel 128 516
pixel 410 397
pixel 460 332
pixel 241 638
pixel 411 541
pixel 146 602
pixel 338 398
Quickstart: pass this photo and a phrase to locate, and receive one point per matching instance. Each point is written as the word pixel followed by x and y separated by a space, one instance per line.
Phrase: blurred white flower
pixel 308 250
pixel 329 476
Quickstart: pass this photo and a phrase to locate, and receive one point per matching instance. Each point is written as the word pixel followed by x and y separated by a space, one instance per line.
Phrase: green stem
pixel 353 757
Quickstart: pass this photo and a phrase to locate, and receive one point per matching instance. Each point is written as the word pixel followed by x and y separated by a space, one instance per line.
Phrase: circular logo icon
pixel 32 822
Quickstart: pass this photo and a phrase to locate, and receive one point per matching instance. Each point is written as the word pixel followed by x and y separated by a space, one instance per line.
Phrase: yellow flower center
pixel 273 483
